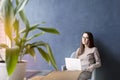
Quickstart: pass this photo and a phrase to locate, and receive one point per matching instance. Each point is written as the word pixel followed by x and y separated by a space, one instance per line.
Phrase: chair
pixel 63 67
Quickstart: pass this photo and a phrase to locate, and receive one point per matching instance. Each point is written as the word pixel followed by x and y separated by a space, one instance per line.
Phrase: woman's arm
pixel 77 52
pixel 97 63
pixel 97 59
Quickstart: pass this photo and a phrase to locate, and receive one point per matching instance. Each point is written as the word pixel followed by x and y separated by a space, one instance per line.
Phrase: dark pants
pixel 85 75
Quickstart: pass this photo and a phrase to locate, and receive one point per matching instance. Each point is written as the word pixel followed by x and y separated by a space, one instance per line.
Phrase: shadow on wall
pixel 110 66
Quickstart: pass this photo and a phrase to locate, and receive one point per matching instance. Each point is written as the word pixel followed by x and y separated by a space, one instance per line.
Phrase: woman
pixel 89 56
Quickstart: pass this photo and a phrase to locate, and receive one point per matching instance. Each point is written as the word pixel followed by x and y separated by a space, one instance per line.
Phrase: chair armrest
pixel 93 75
pixel 63 67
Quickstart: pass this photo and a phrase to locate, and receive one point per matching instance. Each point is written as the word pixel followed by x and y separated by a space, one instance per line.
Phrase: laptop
pixel 73 64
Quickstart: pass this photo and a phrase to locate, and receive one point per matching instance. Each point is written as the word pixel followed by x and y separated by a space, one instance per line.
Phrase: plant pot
pixel 18 74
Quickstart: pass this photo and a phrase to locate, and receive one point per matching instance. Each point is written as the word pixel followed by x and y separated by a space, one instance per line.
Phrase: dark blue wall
pixel 72 18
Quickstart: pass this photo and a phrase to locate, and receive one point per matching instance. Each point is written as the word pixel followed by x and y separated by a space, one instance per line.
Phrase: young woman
pixel 89 56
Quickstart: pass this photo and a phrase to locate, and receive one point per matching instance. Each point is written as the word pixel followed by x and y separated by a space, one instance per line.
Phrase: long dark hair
pixel 90 45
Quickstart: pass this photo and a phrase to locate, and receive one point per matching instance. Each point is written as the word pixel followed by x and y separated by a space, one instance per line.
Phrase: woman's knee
pixel 85 75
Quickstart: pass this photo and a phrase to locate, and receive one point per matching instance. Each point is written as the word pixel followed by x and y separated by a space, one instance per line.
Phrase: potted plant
pixel 12 15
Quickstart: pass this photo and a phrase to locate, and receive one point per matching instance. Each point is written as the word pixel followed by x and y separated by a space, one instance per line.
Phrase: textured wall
pixel 71 18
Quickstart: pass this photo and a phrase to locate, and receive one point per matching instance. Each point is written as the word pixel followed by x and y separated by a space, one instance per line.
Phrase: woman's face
pixel 85 39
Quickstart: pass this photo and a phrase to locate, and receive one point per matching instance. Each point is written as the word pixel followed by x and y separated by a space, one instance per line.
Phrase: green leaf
pixel 20 5
pixel 47 55
pixel 43 22
pixel 23 30
pixel 36 35
pixel 49 52
pixel 16 29
pixel 49 30
pixel 2 45
pixel 11 59
pixel 17 2
pixel 30 50
pixel 34 27
pixel 8 14
pixel 24 19
pixel 53 62
pixel 44 54
pixel 39 43
pixel 16 26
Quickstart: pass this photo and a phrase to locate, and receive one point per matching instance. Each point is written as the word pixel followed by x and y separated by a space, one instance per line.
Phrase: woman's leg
pixel 85 75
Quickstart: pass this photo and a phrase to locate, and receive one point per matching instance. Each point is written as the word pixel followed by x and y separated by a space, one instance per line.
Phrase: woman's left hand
pixel 90 68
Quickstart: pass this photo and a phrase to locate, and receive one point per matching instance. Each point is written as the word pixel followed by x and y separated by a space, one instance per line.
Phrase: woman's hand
pixel 90 68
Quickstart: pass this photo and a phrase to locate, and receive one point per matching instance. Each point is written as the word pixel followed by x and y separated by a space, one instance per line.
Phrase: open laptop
pixel 73 64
